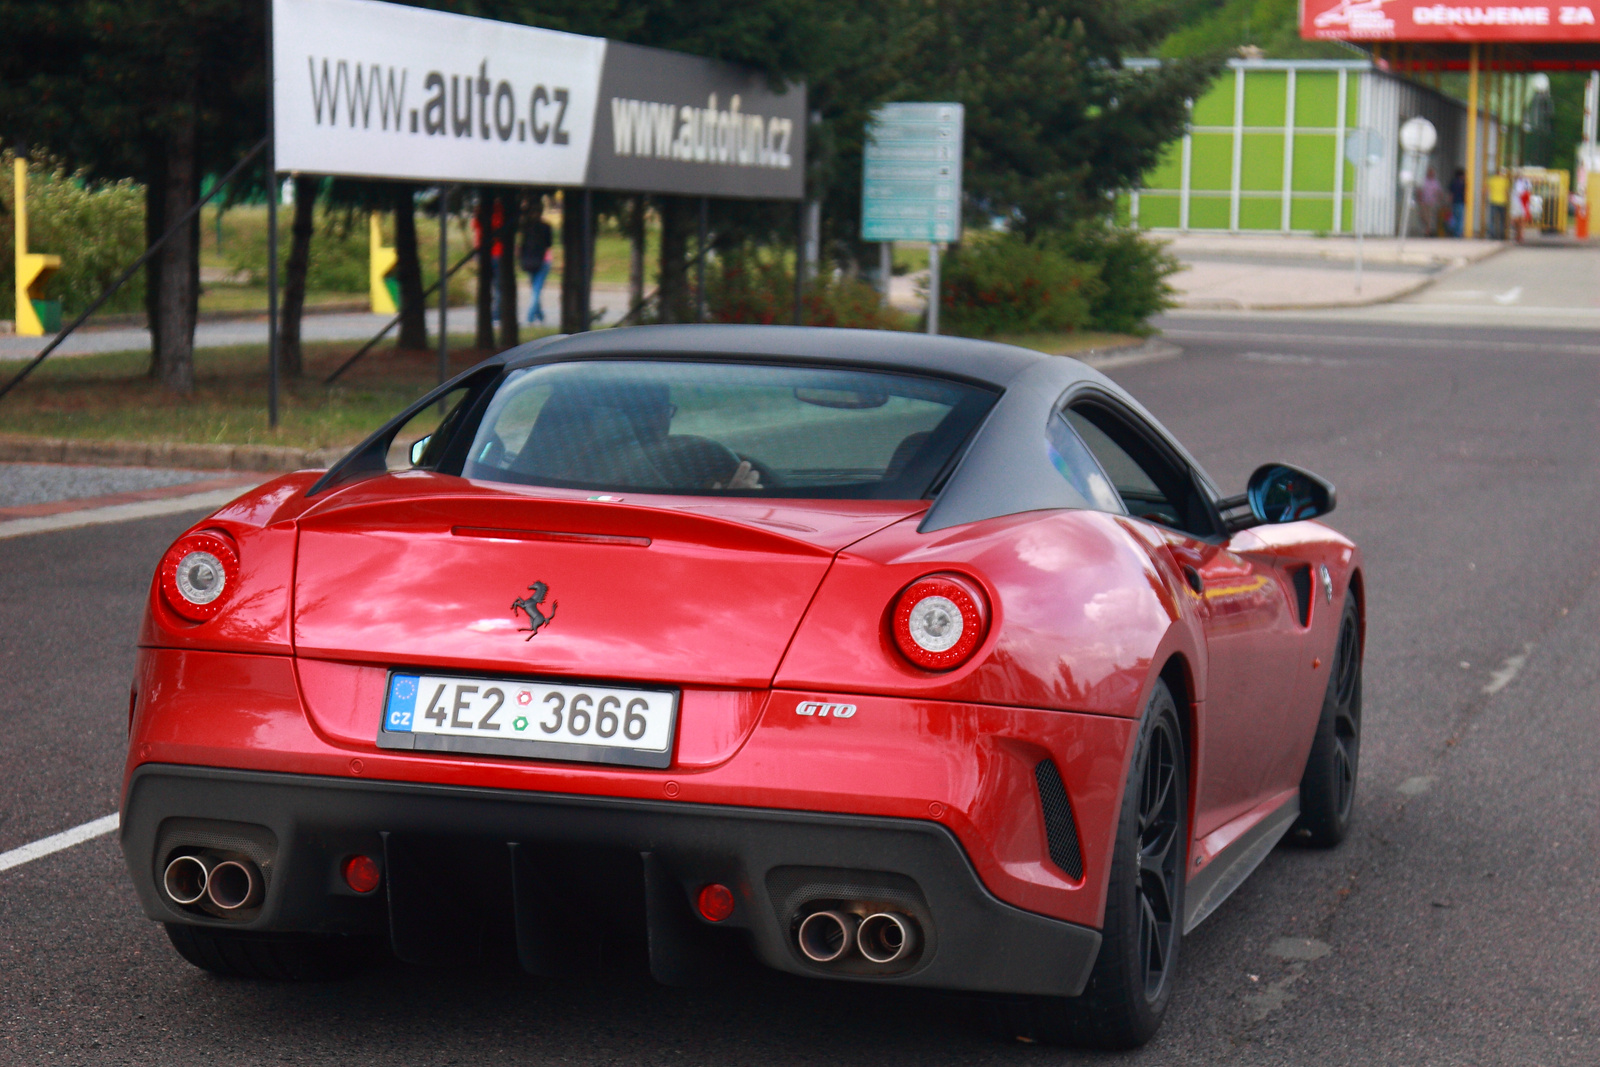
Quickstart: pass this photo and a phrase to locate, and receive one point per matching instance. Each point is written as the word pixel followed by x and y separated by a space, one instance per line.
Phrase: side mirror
pixel 419 447
pixel 1280 493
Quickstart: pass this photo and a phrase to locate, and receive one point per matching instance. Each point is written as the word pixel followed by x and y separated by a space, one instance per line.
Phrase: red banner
pixel 1419 20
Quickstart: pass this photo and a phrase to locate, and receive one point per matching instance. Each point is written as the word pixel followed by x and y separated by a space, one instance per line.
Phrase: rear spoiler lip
pixel 628 522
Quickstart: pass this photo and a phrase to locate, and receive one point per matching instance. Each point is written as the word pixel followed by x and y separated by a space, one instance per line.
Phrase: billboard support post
pixel 586 282
pixel 800 265
pixel 272 240
pixel 1470 211
pixel 444 286
pixel 933 287
pixel 700 268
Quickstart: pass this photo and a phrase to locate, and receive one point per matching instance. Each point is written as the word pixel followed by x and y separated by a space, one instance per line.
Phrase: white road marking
pixel 1293 360
pixel 144 509
pixel 1510 296
pixel 1357 342
pixel 57 842
pixel 1415 787
pixel 1503 677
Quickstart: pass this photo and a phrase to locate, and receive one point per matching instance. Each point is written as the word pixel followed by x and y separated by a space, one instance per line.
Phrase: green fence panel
pixel 1261 162
pixel 1314 155
pixel 1158 211
pixel 1313 214
pixel 1215 108
pixel 1316 98
pixel 1167 174
pixel 1260 213
pixel 1265 95
pixel 1208 213
pixel 1211 161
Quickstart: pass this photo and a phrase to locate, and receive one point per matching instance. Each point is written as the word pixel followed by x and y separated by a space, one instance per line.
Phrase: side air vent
pixel 1058 825
pixel 1301 577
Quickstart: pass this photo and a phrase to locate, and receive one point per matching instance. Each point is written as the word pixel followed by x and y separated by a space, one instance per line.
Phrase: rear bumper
pixel 461 863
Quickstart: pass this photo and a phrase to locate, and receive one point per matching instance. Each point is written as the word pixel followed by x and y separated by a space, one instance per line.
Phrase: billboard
pixel 1418 20
pixel 377 90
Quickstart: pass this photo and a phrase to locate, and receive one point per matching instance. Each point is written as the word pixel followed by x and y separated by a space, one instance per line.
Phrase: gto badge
pixel 1327 581
pixel 822 710
pixel 529 606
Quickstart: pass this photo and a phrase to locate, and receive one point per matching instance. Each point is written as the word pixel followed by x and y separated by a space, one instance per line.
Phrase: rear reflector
pixel 715 902
pixel 361 874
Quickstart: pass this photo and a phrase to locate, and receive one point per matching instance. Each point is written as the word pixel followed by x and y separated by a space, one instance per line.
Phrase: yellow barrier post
pixel 381 261
pixel 33 269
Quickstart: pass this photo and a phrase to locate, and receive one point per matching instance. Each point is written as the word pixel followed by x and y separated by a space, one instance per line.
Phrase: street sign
pixel 1363 147
pixel 911 173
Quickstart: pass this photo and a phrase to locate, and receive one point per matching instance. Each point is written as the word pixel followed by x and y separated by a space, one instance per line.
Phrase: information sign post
pixel 911 181
pixel 1363 147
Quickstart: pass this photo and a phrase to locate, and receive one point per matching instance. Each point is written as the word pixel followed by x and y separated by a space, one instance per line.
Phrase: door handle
pixel 1195 581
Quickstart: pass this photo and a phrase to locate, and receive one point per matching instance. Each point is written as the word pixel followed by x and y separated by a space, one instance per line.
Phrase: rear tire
pixel 273 957
pixel 1133 977
pixel 1328 786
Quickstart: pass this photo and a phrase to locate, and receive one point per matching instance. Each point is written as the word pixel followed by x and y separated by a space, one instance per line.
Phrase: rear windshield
pixel 725 429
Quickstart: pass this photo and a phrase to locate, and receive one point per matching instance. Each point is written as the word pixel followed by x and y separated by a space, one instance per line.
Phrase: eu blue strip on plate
pixel 402 702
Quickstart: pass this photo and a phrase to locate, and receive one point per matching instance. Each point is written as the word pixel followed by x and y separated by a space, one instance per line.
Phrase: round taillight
pixel 361 873
pixel 715 902
pixel 939 621
pixel 198 574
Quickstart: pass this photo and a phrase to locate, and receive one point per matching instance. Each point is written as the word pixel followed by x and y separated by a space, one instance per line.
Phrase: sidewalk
pixel 1261 272
pixel 612 300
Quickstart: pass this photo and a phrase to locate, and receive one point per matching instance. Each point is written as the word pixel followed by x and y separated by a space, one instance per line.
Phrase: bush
pixel 1133 271
pixel 1003 284
pixel 756 287
pixel 97 228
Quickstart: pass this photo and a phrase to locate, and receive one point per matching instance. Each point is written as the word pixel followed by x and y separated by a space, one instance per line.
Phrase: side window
pixel 1077 464
pixel 428 431
pixel 1151 484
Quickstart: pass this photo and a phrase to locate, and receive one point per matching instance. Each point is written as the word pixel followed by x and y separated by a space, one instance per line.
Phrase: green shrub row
pixel 97 228
pixel 1096 277
pixel 756 286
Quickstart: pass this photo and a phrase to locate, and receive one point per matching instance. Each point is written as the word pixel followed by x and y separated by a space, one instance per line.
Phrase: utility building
pixel 1264 151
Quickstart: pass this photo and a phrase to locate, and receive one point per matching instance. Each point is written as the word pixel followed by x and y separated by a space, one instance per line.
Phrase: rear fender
pixel 255 617
pixel 1081 618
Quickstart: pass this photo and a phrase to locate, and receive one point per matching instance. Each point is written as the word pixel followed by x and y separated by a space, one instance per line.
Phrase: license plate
pixel 530 719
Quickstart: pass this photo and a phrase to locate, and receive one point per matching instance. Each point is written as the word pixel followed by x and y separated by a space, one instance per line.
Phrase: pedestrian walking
pixel 496 253
pixel 1430 200
pixel 1458 202
pixel 1499 199
pixel 1521 205
pixel 535 254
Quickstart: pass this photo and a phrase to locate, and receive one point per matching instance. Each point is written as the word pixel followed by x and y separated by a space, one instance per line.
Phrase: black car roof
pixel 981 361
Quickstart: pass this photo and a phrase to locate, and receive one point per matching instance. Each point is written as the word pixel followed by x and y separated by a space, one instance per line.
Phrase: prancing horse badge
pixel 529 606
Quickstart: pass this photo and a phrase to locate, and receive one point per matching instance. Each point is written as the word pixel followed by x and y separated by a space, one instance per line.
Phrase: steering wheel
pixel 769 477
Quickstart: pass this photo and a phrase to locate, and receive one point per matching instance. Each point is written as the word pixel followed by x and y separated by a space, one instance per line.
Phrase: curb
pixel 258 458
pixel 1228 304
pixel 1153 350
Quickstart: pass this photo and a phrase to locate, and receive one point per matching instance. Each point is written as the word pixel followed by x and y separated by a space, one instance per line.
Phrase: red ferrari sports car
pixel 885 658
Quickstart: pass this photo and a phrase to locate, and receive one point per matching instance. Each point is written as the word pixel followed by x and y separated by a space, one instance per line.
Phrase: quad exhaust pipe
pixel 227 885
pixel 885 937
pixel 881 937
pixel 185 879
pixel 825 936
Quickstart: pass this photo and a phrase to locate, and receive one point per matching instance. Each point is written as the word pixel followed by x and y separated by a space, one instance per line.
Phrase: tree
pixel 291 359
pixel 161 91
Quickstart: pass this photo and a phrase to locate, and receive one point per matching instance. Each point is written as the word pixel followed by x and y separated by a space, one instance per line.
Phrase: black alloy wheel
pixel 1131 985
pixel 1160 857
pixel 1328 786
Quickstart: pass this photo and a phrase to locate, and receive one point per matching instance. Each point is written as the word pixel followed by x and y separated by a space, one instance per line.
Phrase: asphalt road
pixel 1458 925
